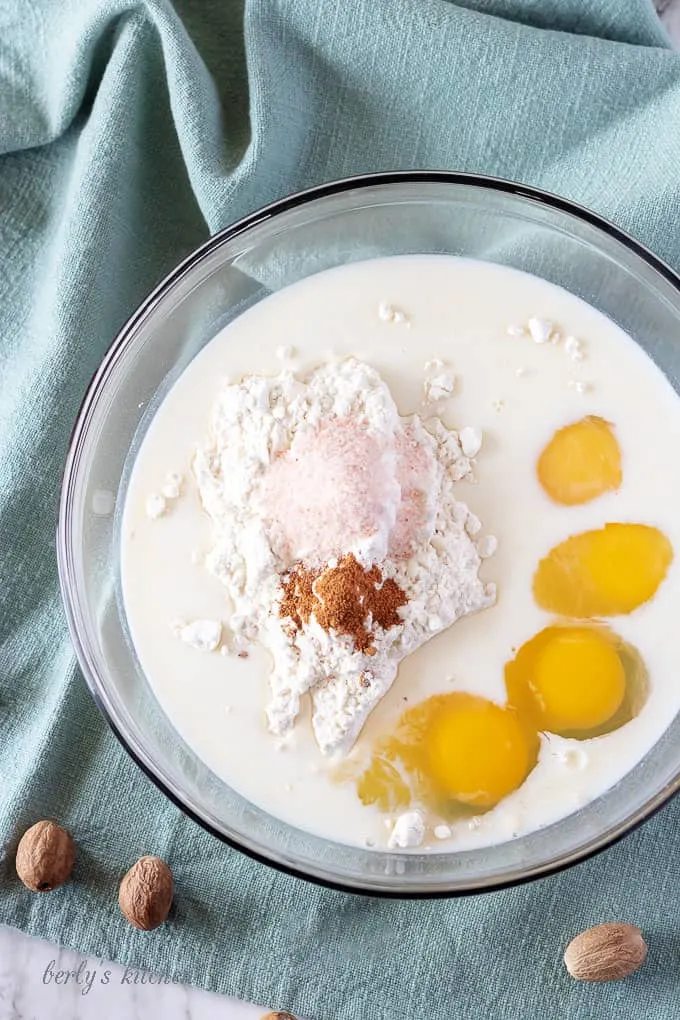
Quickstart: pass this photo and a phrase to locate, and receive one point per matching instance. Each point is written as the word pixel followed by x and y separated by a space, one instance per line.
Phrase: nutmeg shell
pixel 145 894
pixel 607 952
pixel 45 856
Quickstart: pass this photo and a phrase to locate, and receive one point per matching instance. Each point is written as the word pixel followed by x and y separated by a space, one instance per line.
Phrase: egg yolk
pixel 476 751
pixel 569 678
pixel 450 748
pixel 607 572
pixel 580 462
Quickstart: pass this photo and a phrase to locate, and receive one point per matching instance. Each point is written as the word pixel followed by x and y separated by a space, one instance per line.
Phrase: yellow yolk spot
pixel 570 678
pixel 451 749
pixel 607 572
pixel 580 462
pixel 476 751
pixel 381 784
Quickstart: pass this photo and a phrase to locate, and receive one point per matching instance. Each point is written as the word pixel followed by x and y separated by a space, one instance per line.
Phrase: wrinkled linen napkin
pixel 129 132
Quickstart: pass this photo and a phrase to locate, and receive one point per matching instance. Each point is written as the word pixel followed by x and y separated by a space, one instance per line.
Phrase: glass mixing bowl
pixel 388 214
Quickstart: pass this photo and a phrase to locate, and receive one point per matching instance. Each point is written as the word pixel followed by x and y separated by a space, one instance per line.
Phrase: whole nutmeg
pixel 45 856
pixel 145 894
pixel 607 952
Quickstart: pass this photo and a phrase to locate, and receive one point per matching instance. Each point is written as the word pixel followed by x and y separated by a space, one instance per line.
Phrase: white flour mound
pixel 253 423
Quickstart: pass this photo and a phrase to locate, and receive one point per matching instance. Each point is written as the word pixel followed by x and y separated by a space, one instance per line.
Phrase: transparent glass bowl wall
pixel 386 215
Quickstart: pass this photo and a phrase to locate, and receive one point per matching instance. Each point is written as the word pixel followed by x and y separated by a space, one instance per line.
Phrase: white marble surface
pixel 38 980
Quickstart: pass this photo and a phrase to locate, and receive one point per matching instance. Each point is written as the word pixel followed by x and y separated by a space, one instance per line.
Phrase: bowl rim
pixel 118 345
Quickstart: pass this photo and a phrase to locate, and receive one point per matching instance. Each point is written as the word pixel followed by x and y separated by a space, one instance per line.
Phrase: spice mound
pixel 337 536
pixel 345 598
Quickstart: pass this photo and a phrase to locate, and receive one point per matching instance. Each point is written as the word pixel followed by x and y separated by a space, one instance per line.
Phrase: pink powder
pixel 414 474
pixel 339 488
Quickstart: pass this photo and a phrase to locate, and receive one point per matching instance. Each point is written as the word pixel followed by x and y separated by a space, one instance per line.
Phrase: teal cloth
pixel 132 130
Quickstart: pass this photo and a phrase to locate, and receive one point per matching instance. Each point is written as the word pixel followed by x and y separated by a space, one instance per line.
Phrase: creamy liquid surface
pixel 519 393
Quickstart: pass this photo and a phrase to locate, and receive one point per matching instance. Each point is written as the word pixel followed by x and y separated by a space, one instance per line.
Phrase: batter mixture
pixel 397 553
